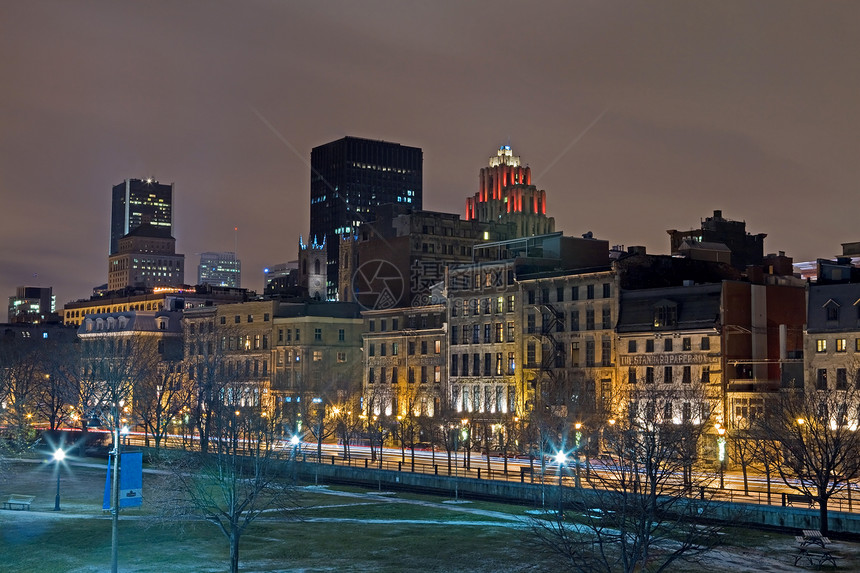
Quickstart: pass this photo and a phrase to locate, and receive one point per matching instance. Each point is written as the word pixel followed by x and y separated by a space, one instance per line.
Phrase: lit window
pixel 841 345
pixel 821 345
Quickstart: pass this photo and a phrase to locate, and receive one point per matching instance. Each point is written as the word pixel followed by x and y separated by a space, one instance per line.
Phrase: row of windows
pixel 158 305
pixel 498 367
pixel 286 335
pixel 487 305
pixel 550 322
pixel 410 348
pixel 492 332
pixel 575 293
pixel 841 345
pixel 669 344
pixel 821 379
pixel 391 376
pixel 557 355
pixel 669 374
pixel 246 368
pixel 316 356
pixel 238 318
pixel 246 342
pixel 420 321
pixel 669 412
pixel 492 399
pixel 481 278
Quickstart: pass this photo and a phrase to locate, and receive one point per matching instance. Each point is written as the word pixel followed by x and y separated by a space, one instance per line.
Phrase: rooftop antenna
pixel 236 241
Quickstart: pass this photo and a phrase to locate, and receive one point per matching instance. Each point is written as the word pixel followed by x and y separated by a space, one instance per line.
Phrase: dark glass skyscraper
pixel 349 178
pixel 139 201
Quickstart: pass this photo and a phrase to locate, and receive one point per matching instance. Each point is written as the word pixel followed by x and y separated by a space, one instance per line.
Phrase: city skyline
pixel 634 118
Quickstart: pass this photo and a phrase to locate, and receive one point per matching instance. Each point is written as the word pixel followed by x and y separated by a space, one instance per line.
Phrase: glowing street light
pixel 560 458
pixel 59 456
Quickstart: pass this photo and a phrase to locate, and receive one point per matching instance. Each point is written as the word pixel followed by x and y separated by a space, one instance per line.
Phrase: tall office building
pixel 350 177
pixel 220 269
pixel 139 201
pixel 505 194
pixel 32 305
pixel 146 257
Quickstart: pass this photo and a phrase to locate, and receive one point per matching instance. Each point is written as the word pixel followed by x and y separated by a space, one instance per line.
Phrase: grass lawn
pixel 343 529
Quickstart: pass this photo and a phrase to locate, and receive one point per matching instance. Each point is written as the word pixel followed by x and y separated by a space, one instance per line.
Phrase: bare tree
pixel 347 425
pixel 236 481
pixel 19 390
pixel 159 400
pixel 817 434
pixel 643 518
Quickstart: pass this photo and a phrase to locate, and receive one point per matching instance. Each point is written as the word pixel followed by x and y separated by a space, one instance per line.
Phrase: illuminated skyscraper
pixel 139 201
pixel 350 177
pixel 506 195
pixel 220 269
pixel 32 305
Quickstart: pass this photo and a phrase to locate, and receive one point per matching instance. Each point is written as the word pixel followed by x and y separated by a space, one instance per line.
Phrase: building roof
pixel 845 297
pixel 132 322
pixel 698 307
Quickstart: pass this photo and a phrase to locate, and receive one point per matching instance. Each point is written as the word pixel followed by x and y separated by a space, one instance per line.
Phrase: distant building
pixel 719 240
pixel 220 269
pixel 507 195
pixel 33 305
pixel 350 177
pixel 312 270
pixel 163 298
pixel 146 258
pixel 139 201
pixel 280 270
pixel 394 260
pixel 282 279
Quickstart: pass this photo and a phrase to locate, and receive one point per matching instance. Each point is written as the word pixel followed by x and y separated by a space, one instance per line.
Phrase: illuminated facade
pixel 832 336
pixel 164 298
pixel 136 202
pixel 350 177
pixel 506 194
pixel 405 351
pixel 32 305
pixel 146 258
pixel 220 269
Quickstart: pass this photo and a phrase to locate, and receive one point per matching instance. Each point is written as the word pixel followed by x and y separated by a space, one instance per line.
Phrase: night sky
pixel 636 117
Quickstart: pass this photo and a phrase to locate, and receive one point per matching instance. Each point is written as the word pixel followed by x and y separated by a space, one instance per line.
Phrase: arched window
pixel 316 266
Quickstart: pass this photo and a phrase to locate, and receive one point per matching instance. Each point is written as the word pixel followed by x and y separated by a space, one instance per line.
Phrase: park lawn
pixel 396 511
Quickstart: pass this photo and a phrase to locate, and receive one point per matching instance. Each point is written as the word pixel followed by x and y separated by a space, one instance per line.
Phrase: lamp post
pixel 561 459
pixel 467 449
pixel 295 443
pixel 59 456
pixel 578 427
pixel 721 453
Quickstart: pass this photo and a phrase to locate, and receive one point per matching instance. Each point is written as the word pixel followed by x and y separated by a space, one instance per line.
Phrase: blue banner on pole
pixel 130 481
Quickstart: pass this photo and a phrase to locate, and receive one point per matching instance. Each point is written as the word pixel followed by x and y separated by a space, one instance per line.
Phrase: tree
pixel 236 481
pixel 20 376
pixel 347 425
pixel 159 400
pixel 645 520
pixel 817 434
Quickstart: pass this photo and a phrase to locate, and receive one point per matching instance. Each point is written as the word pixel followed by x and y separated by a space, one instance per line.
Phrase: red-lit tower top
pixel 506 192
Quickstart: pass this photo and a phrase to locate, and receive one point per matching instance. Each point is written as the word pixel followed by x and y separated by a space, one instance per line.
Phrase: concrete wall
pixel 531 494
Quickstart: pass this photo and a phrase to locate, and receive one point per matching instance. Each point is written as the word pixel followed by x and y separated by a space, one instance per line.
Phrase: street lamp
pixel 59 456
pixel 561 459
pixel 295 442
pixel 721 453
pixel 464 434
